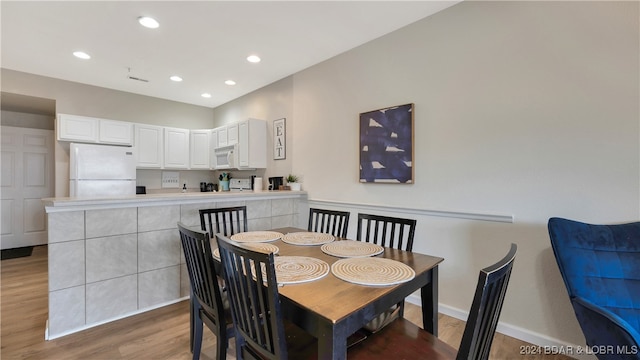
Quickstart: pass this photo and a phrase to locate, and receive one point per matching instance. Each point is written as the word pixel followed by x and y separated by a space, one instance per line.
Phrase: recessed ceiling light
pixel 176 78
pixel 206 95
pixel 230 82
pixel 253 59
pixel 148 22
pixel 81 55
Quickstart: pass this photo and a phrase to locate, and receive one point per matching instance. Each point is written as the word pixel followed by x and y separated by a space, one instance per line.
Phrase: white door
pixel 27 177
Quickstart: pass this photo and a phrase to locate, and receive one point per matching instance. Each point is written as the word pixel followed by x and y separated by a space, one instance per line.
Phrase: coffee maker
pixel 275 182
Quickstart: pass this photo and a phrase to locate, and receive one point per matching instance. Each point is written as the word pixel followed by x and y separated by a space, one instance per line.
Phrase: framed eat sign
pixel 279 139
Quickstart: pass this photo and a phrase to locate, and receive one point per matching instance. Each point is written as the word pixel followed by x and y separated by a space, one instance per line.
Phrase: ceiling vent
pixel 137 78
pixel 131 77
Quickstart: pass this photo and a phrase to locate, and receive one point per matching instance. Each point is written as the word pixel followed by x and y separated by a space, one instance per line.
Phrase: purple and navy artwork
pixel 386 145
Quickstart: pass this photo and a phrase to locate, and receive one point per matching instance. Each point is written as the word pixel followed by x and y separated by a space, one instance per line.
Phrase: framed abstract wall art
pixel 386 145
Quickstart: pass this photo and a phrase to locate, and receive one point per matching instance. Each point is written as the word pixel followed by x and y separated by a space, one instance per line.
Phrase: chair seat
pixel 205 316
pixel 402 339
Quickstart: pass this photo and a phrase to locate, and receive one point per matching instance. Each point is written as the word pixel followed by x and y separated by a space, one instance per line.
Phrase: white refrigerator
pixel 101 171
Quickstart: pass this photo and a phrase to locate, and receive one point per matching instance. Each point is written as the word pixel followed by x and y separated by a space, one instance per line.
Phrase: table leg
pixel 333 346
pixel 429 295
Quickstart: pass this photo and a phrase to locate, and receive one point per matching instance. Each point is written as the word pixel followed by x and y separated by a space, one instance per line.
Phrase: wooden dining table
pixel 332 309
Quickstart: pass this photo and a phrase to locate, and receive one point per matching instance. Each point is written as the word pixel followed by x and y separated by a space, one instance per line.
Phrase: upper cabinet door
pixel 176 148
pixel 149 146
pixel 77 128
pixel 213 144
pixel 199 149
pixel 115 132
pixel 252 144
pixel 222 136
pixel 243 141
pixel 232 134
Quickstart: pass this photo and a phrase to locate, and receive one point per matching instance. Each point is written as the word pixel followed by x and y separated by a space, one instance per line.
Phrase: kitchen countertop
pixel 74 203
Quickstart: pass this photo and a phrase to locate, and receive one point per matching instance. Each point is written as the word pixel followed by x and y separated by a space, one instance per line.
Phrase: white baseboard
pixel 544 344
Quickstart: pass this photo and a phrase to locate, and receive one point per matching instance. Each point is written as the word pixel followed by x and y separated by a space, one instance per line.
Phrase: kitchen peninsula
pixel 111 258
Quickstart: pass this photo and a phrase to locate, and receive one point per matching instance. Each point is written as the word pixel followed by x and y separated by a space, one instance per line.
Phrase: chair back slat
pixel 254 300
pixel 397 233
pixel 485 309
pixel 227 221
pixel 331 222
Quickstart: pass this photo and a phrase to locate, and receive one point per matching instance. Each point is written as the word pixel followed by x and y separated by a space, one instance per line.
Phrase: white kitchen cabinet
pixel 86 129
pixel 149 146
pixel 77 128
pixel 222 136
pixel 252 144
pixel 199 143
pixel 227 135
pixel 232 134
pixel 176 148
pixel 115 132
pixel 213 144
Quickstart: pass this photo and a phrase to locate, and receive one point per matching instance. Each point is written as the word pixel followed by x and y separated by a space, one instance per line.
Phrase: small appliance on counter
pixel 275 182
pixel 239 184
pixel 256 183
pixel 208 187
pixel 141 190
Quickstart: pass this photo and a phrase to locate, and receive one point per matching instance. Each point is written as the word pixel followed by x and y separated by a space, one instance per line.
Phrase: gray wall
pixel 522 109
pixel 26 120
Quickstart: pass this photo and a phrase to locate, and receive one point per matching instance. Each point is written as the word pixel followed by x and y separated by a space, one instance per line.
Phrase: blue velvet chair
pixel 600 266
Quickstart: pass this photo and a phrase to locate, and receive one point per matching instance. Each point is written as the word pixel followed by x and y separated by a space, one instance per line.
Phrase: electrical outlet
pixel 171 179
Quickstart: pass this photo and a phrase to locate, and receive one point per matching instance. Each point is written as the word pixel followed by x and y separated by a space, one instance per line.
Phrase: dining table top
pixel 334 298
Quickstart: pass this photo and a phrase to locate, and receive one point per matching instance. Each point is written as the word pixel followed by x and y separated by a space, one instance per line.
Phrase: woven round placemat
pixel 351 248
pixel 372 271
pixel 254 246
pixel 256 236
pixel 308 238
pixel 299 269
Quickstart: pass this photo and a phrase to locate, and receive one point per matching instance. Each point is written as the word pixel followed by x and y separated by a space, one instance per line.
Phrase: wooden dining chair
pixel 403 339
pixel 329 222
pixel 386 231
pixel 227 220
pixel 391 232
pixel 261 332
pixel 207 306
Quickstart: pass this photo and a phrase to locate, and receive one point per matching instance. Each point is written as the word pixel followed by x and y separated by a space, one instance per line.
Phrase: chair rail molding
pixel 425 212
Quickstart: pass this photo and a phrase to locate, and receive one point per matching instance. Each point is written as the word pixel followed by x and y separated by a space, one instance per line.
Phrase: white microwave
pixel 226 157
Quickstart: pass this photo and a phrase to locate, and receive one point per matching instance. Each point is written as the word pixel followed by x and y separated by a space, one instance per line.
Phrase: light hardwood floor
pixel 157 334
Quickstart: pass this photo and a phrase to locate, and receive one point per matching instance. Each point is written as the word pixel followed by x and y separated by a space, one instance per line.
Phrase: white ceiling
pixel 204 42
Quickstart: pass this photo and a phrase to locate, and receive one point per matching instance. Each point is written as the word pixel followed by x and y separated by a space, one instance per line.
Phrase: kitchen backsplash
pixel 152 179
